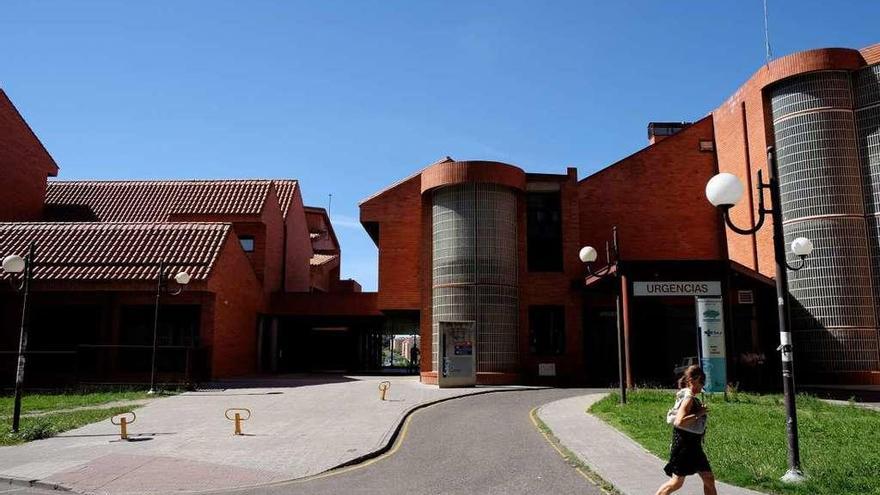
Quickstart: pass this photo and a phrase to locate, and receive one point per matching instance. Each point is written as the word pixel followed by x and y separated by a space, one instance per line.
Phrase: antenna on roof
pixel 767 34
pixel 329 202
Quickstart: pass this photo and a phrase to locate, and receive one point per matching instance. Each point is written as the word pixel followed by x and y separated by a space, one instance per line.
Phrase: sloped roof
pixel 285 188
pixel 375 195
pixel 319 224
pixel 11 120
pixel 322 259
pixel 154 201
pixel 193 247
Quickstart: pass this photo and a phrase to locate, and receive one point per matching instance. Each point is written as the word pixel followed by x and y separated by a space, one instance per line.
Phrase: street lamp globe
pixel 588 254
pixel 802 247
pixel 182 278
pixel 724 190
pixel 13 264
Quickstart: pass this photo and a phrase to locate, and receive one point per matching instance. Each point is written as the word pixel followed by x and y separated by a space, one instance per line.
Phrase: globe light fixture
pixel 724 190
pixel 802 247
pixel 182 278
pixel 588 254
pixel 13 264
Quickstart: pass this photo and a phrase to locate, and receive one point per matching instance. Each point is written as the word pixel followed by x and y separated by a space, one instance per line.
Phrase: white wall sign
pixel 677 288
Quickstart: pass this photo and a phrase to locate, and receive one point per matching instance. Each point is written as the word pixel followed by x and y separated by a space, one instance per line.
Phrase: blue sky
pixel 350 96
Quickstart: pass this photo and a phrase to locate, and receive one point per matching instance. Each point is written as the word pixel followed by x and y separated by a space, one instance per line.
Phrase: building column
pixel 624 292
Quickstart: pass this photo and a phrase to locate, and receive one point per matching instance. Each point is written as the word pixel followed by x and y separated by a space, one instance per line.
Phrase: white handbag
pixel 697 426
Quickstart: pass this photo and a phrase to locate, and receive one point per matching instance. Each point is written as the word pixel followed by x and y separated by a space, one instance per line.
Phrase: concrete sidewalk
pixel 184 443
pixel 612 455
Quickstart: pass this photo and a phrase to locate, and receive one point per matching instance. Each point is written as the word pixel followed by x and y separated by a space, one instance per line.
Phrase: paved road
pixel 485 444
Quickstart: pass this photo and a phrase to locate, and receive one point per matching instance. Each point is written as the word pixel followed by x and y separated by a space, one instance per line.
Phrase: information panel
pixel 457 354
pixel 713 357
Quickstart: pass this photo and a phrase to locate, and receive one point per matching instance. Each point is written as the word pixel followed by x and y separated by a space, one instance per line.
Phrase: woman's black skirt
pixel 686 455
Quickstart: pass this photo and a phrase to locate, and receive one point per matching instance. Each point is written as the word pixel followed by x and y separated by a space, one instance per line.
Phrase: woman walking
pixel 686 456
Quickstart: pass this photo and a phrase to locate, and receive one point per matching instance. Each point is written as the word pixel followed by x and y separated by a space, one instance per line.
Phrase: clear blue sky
pixel 350 96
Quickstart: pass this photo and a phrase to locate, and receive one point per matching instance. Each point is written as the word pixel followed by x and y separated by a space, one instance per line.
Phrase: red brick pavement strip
pixel 123 474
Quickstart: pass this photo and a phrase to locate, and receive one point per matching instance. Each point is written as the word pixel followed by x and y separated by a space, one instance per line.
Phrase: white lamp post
pixel 588 256
pixel 16 265
pixel 725 190
pixel 182 278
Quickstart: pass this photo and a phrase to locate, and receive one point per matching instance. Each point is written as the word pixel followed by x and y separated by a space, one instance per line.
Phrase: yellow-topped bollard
pixel 383 388
pixel 123 423
pixel 237 417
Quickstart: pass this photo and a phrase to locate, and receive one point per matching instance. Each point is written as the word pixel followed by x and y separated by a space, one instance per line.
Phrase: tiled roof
pixel 322 259
pixel 285 188
pixel 154 201
pixel 178 244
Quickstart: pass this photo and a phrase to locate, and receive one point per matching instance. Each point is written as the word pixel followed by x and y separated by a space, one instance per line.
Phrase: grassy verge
pixel 53 424
pixel 31 403
pixel 746 440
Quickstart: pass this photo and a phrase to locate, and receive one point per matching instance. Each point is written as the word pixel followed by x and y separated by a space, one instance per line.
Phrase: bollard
pixel 123 423
pixel 237 418
pixel 383 388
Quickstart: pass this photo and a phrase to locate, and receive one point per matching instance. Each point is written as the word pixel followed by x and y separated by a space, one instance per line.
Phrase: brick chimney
pixel 658 131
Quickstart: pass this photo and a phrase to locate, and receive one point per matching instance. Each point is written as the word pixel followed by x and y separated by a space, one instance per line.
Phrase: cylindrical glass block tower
pixel 821 181
pixel 474 276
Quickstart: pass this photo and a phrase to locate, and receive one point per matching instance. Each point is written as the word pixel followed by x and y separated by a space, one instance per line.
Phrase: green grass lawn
pixel 31 403
pixel 52 423
pixel 746 440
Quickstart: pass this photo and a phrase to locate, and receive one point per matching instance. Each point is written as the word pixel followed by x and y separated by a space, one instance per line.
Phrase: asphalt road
pixel 485 444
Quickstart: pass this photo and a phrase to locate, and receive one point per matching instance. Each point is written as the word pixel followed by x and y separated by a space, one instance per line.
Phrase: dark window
pixel 544 227
pixel 547 329
pixel 247 243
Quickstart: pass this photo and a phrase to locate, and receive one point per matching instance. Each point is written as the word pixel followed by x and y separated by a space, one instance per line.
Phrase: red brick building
pixel 489 243
pixel 480 242
pixel 251 247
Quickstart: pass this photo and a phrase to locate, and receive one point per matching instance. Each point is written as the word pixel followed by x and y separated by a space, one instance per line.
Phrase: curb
pixel 26 483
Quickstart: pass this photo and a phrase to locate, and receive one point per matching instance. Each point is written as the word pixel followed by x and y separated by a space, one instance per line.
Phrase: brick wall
pixel 656 197
pixel 274 255
pixel 554 288
pixel 299 247
pixel 237 302
pixel 25 164
pixel 398 212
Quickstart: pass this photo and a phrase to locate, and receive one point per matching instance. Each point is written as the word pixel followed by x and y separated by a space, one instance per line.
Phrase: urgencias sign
pixel 677 288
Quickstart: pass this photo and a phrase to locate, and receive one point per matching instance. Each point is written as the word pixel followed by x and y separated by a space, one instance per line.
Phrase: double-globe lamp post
pixel 724 191
pixel 588 255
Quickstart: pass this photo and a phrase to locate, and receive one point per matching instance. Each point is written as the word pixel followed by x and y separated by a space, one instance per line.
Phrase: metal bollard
pixel 383 388
pixel 237 418
pixel 123 423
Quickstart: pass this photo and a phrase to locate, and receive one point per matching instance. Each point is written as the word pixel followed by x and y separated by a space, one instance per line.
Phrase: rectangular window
pixel 247 243
pixel 547 329
pixel 544 231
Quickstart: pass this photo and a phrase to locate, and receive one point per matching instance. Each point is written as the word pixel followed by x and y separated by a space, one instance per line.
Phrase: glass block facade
pixel 825 127
pixel 474 269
